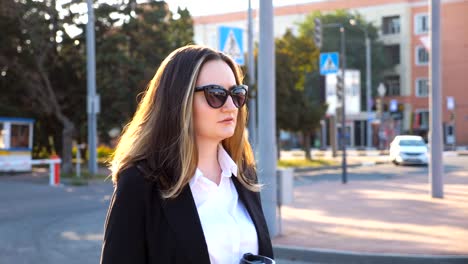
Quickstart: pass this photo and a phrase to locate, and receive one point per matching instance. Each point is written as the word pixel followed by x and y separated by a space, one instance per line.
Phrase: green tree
pixel 297 107
pixel 43 68
pixel 355 44
pixel 30 53
pixel 131 41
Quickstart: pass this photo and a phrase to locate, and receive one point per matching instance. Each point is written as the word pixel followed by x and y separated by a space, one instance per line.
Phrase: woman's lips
pixel 227 121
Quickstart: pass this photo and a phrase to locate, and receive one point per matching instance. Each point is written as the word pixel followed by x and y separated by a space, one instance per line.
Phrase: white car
pixel 408 150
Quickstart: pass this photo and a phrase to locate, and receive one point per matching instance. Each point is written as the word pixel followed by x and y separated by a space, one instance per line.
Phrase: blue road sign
pixel 230 42
pixel 329 63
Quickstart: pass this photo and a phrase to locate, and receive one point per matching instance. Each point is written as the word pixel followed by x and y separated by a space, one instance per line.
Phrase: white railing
pixel 54 167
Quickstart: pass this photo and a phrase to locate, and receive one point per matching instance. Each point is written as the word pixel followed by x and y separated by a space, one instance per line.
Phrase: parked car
pixel 407 149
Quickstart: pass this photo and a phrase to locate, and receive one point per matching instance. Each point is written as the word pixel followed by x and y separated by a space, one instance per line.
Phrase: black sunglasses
pixel 216 95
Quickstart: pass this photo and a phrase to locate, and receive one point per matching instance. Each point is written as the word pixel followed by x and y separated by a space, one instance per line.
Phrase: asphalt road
pixel 379 172
pixel 42 224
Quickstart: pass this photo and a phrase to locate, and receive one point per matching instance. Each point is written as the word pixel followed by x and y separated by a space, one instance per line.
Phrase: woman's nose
pixel 229 104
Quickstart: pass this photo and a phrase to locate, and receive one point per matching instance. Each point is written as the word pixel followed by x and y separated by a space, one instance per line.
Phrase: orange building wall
pixel 454 19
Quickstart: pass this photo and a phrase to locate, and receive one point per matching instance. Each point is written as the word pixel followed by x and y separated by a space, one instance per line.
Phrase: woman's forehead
pixel 216 72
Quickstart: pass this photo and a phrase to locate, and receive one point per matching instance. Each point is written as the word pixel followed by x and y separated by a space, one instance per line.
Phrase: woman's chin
pixel 226 134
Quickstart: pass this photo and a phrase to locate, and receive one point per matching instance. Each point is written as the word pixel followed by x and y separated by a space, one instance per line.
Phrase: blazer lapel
pixel 251 201
pixel 182 215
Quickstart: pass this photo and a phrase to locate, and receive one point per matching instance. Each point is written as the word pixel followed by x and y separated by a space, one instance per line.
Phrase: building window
pixel 393 53
pixel 421 24
pixel 391 25
pixel 422 87
pixel 19 136
pixel 422 56
pixel 422 119
pixel 392 83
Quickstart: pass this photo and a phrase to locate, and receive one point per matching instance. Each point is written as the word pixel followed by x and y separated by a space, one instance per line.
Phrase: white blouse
pixel 227 226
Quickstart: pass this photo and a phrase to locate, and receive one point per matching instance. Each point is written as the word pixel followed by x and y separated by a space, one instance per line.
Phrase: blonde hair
pixel 161 133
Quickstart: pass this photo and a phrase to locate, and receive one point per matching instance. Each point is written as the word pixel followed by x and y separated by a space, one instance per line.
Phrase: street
pixel 42 224
pixel 381 172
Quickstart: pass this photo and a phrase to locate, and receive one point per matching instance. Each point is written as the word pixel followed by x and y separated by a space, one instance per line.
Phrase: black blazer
pixel 141 227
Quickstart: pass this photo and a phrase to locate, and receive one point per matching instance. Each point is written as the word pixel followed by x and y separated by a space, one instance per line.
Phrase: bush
pixel 40 153
pixel 104 152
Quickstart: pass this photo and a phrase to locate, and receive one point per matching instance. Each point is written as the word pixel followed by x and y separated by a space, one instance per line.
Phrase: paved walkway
pixel 393 215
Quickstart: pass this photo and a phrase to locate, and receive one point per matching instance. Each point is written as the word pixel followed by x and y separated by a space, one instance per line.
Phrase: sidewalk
pixel 395 216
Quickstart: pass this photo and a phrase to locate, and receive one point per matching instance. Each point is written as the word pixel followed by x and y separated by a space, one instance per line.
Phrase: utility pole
pixel 92 99
pixel 368 90
pixel 342 110
pixel 343 105
pixel 253 96
pixel 435 105
pixel 266 115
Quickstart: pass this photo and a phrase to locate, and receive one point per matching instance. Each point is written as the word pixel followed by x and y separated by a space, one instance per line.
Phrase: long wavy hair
pixel 161 133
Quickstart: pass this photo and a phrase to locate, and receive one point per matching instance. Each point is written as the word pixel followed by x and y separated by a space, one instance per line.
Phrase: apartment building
pixel 404 28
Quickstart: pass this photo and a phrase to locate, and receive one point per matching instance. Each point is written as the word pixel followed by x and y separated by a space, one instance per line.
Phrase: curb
pixel 329 256
pixel 335 167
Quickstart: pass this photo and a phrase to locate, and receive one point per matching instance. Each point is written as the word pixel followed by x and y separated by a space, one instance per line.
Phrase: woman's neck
pixel 208 160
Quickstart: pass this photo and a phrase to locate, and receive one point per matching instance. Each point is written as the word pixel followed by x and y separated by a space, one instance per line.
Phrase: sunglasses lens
pixel 239 96
pixel 216 97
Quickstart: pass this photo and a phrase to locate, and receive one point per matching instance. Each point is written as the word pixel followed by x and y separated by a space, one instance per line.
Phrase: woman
pixel 186 188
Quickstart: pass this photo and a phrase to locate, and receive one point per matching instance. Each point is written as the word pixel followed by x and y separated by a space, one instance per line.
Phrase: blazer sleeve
pixel 124 232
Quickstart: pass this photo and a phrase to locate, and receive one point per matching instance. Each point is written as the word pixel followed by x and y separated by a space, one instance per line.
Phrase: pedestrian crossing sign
pixel 329 63
pixel 230 42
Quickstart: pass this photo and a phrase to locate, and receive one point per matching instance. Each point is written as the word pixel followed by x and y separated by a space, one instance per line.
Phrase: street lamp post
pixel 368 81
pixel 343 140
pixel 92 98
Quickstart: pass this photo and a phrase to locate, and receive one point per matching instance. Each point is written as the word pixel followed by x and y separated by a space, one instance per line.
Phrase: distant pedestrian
pixel 186 188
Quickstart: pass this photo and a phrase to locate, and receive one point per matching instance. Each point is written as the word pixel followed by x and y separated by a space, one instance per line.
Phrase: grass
pixel 305 163
pixel 85 177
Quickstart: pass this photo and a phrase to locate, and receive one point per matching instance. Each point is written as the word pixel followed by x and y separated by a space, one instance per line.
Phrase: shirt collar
pixel 228 166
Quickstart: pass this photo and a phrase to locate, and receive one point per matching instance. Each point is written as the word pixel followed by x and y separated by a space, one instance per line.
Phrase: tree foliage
pixel 43 65
pixel 297 108
pixel 354 46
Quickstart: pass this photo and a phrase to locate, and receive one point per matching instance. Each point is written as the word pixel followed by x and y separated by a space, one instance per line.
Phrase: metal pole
pixel 78 160
pixel 333 140
pixel 343 108
pixel 253 96
pixel 266 115
pixel 368 89
pixel 435 105
pixel 91 79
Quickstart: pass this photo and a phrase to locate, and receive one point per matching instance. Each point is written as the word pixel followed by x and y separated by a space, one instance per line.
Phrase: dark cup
pixel 250 258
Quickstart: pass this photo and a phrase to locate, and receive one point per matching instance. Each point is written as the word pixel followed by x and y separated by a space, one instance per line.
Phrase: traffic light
pixel 339 88
pixel 318 32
